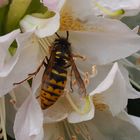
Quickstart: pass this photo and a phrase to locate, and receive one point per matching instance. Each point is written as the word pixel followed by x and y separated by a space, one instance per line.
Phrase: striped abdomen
pixel 53 88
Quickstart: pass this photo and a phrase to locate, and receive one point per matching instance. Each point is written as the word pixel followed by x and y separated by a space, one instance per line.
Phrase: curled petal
pixel 76 116
pixel 42 27
pixel 113 90
pixel 29 60
pixel 5 42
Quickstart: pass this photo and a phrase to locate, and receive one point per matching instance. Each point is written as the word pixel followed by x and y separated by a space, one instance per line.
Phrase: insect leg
pixel 38 69
pixel 29 77
pixel 79 56
pixel 34 73
pixel 71 80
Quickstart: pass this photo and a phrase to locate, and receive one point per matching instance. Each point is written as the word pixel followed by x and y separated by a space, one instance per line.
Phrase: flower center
pixel 69 23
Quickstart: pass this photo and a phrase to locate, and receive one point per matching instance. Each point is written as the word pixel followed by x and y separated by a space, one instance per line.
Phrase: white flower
pixel 101 41
pixel 114 93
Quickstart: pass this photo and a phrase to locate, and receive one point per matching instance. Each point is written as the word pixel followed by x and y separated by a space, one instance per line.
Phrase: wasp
pixel 55 74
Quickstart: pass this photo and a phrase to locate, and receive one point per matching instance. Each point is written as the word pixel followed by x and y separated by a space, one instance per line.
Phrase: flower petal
pixel 43 27
pixel 113 89
pixel 106 44
pixel 132 93
pixel 103 8
pixel 29 119
pixel 57 112
pixel 114 127
pixel 76 117
pixel 20 94
pixel 29 60
pixel 5 42
pixel 54 5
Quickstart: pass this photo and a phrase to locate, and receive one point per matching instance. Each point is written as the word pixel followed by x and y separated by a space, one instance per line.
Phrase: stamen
pixel 75 107
pixel 94 71
pixel 74 138
pixel 74 83
pixel 98 102
pixel 86 79
pixel 76 131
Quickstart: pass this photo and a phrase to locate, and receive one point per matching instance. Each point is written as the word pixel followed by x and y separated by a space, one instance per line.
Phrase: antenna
pixel 67 34
pixel 57 35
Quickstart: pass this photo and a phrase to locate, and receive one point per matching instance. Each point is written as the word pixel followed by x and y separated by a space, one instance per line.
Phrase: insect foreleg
pixel 38 69
pixel 79 56
pixel 34 73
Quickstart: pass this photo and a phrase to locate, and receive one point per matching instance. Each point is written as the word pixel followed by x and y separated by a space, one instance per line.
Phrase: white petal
pixel 54 5
pixel 130 7
pixel 20 94
pixel 42 27
pixel 75 117
pixel 57 112
pixel 89 7
pixel 29 60
pixel 135 120
pixel 5 42
pixel 113 89
pixel 53 131
pixel 114 127
pixel 130 118
pixel 131 92
pixel 106 44
pixel 29 119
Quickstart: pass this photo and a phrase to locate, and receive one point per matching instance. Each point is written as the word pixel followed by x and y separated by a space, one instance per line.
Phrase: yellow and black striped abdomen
pixel 53 88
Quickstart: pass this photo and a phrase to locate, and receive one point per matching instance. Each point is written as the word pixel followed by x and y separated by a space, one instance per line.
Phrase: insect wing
pixel 79 80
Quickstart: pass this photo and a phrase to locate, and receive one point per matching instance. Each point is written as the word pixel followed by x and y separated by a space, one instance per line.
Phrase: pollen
pixel 99 104
pixel 69 23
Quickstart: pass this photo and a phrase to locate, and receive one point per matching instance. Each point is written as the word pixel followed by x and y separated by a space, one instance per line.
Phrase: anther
pixel 94 70
pixel 86 79
pixel 73 138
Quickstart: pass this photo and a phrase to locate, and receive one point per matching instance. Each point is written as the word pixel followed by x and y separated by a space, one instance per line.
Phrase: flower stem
pixel 16 11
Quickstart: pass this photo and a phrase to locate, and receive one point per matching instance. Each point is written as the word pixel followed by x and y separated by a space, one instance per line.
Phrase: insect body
pixel 55 73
